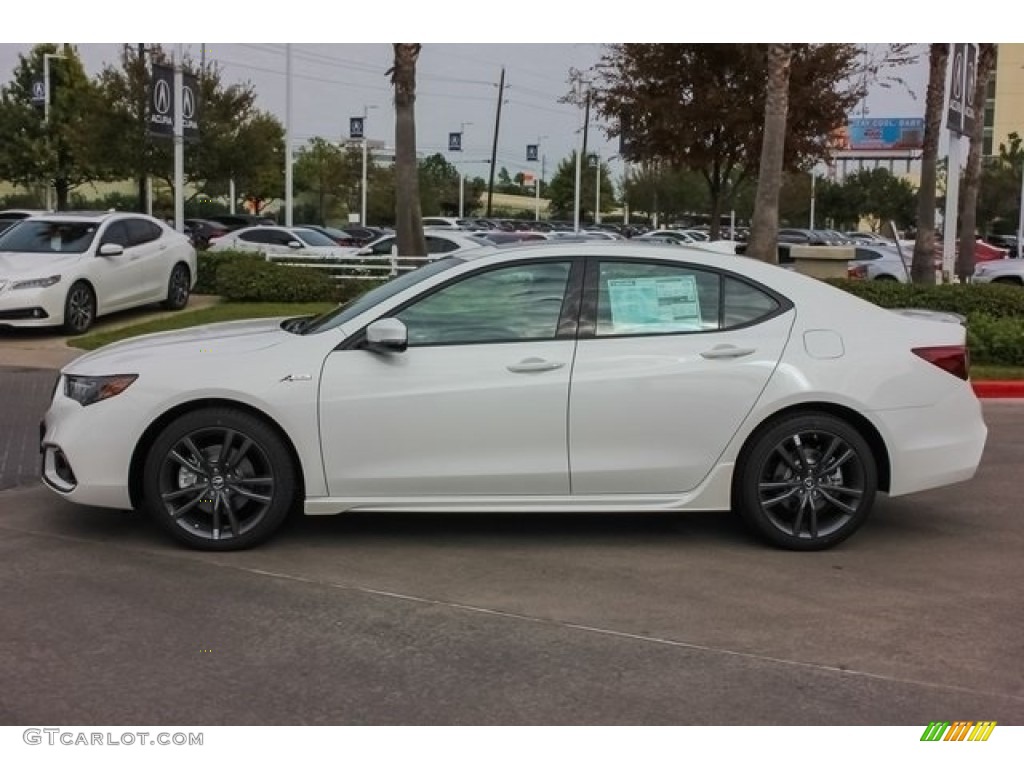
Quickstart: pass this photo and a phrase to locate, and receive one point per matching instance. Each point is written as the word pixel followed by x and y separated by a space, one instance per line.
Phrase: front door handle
pixel 726 351
pixel 535 365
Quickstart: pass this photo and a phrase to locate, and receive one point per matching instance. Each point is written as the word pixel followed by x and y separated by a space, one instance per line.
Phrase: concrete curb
pixel 999 389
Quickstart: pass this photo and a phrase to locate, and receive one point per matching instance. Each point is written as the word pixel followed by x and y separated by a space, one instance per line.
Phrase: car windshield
pixel 49 237
pixel 345 312
pixel 312 237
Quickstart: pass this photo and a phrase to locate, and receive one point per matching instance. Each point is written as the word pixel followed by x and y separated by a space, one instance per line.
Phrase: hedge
pixel 259 280
pixel 207 265
pixel 995 313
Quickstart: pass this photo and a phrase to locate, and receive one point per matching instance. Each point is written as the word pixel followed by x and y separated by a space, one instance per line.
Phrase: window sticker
pixel 655 304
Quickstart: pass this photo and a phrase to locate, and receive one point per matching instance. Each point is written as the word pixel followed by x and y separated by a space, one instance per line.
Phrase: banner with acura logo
pixel 162 103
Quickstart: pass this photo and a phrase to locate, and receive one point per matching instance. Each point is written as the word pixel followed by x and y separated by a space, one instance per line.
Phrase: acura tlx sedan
pixel 564 377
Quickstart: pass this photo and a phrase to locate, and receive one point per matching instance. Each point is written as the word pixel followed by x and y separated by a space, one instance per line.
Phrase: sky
pixel 457 89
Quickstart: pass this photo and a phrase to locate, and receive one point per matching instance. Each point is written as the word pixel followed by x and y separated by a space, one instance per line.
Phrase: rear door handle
pixel 726 351
pixel 535 365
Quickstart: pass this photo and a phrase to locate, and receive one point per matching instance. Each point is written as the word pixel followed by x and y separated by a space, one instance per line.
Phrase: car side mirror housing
pixel 111 249
pixel 387 335
pixel 295 244
pixel 365 251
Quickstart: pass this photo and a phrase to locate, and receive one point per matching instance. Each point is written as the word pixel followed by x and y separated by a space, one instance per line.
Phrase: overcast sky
pixel 457 83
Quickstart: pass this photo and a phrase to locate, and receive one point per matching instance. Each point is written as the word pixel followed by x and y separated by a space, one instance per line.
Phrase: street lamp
pixel 539 180
pixel 462 175
pixel 46 103
pixel 362 188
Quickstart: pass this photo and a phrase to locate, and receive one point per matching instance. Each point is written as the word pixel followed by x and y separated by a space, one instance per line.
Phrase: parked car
pixel 365 235
pixel 279 241
pixel 439 244
pixel 879 262
pixel 872 238
pixel 549 378
pixel 235 221
pixel 12 216
pixel 202 232
pixel 67 269
pixel 339 236
pixel 1004 272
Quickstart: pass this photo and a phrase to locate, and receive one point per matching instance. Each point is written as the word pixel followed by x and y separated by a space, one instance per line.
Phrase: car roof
pixel 96 217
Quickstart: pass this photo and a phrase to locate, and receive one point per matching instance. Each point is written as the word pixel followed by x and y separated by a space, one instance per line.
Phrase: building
pixel 1004 105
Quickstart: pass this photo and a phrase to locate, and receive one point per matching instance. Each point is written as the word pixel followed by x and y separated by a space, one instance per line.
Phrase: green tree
pixel 562 189
pixel 60 152
pixel 439 186
pixel 972 174
pixel 702 106
pixel 260 178
pixel 328 175
pixel 408 215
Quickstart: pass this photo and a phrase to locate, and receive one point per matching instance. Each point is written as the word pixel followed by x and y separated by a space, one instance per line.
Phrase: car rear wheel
pixel 79 309
pixel 807 482
pixel 1009 281
pixel 219 479
pixel 178 288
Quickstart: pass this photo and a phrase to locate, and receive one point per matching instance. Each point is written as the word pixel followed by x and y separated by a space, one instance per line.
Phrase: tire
pixel 1015 281
pixel 886 278
pixel 79 309
pixel 178 288
pixel 785 498
pixel 219 479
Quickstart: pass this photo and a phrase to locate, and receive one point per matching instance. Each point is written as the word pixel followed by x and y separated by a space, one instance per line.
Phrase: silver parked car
pixel 1005 271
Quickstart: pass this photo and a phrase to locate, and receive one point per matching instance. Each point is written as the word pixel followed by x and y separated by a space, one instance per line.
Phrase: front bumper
pixel 32 307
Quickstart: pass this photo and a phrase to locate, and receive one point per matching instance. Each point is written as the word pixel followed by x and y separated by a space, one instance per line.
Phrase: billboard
pixel 883 133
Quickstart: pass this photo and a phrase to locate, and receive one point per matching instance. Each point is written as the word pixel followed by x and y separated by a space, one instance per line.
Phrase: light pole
pixel 288 179
pixel 539 181
pixel 814 181
pixel 462 174
pixel 46 104
pixel 597 195
pixel 362 187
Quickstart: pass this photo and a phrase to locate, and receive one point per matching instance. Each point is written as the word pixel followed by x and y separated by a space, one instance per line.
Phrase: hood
pixel 17 266
pixel 207 342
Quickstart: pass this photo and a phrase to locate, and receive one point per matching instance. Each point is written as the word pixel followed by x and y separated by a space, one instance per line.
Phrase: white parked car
pixel 573 377
pixel 67 269
pixel 297 242
pixel 439 244
pixel 879 262
pixel 1003 271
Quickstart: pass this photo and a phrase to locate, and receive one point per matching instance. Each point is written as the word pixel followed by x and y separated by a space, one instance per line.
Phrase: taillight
pixel 857 272
pixel 953 359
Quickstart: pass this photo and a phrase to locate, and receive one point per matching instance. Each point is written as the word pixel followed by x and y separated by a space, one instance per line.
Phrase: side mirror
pixel 387 335
pixel 295 244
pixel 365 251
pixel 111 249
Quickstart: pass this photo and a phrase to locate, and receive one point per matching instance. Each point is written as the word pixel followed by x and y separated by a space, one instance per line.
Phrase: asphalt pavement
pixel 510 619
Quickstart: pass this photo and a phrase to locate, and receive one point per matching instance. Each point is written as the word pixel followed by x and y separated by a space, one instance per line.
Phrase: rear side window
pixel 636 298
pixel 141 231
pixel 255 236
pixel 743 303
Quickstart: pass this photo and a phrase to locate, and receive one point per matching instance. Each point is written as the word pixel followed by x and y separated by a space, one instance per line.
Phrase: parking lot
pixel 445 619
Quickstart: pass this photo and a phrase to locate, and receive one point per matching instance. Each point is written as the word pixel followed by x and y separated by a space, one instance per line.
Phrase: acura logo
pixel 162 97
pixel 188 103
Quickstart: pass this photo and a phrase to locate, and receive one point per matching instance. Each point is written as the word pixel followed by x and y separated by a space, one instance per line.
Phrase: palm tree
pixel 408 215
pixel 764 227
pixel 922 268
pixel 972 175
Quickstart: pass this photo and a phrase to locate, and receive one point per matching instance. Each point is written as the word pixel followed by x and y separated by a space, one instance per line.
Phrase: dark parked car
pixel 365 235
pixel 235 221
pixel 202 232
pixel 339 236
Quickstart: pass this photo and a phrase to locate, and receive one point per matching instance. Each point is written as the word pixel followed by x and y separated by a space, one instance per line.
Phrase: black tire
pixel 179 286
pixel 79 309
pixel 219 479
pixel 1016 281
pixel 886 278
pixel 806 482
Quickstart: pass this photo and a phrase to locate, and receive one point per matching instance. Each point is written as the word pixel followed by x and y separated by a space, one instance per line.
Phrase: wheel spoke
pixel 845 457
pixel 225 447
pixel 787 459
pixel 216 514
pixel 778 499
pixel 774 486
pixel 855 492
pixel 829 452
pixel 250 495
pixel 252 481
pixel 171 495
pixel 799 515
pixel 239 455
pixel 189 465
pixel 814 518
pixel 232 518
pixel 847 508
pixel 199 456
pixel 182 510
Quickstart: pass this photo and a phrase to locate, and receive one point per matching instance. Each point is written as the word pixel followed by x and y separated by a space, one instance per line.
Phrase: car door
pixel 150 249
pixel 671 359
pixel 116 279
pixel 255 240
pixel 476 405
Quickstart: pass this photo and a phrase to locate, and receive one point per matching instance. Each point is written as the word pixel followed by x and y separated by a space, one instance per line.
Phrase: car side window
pixel 277 237
pixel 116 233
pixel 383 248
pixel 440 245
pixel 255 236
pixel 863 254
pixel 517 303
pixel 638 298
pixel 141 231
pixel 744 303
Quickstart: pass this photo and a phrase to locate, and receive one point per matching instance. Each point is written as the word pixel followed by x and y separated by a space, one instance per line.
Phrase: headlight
pixel 38 282
pixel 91 389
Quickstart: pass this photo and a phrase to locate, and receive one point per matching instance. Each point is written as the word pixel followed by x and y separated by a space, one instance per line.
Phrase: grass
pixel 215 314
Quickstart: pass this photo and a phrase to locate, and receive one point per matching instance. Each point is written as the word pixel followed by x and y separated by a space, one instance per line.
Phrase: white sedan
pixel 297 242
pixel 439 245
pixel 67 269
pixel 573 377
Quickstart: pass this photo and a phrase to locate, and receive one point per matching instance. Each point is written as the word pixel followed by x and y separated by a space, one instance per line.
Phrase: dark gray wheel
pixel 79 309
pixel 219 479
pixel 178 288
pixel 807 482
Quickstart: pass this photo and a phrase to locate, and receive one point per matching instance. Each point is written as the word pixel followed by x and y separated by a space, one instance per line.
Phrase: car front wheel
pixel 219 479
pixel 79 309
pixel 807 482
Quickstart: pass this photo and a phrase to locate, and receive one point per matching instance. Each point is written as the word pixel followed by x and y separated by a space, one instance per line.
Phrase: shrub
pixel 258 280
pixel 988 299
pixel 208 264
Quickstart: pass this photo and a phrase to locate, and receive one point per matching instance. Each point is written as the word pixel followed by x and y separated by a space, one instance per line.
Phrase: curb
pixel 999 389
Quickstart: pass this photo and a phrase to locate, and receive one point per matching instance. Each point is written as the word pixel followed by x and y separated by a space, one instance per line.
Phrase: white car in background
pixel 67 269
pixel 575 377
pixel 439 244
pixel 879 262
pixel 296 242
pixel 1002 271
